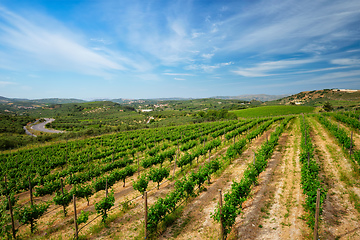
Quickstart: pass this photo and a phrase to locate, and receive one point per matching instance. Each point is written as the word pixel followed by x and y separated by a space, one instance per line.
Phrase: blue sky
pixel 148 49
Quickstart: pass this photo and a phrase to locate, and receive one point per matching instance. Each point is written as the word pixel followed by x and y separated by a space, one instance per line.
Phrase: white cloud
pixel 346 61
pixel 196 34
pixel 180 79
pixel 178 74
pixel 177 36
pixel 355 50
pixel 336 76
pixel 267 68
pixel 39 44
pixel 288 26
pixel 6 83
pixel 207 56
pixel 207 68
pixel 101 40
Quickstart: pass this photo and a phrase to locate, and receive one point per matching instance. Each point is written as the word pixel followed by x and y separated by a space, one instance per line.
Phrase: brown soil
pixel 340 218
pixel 248 223
pixel 283 206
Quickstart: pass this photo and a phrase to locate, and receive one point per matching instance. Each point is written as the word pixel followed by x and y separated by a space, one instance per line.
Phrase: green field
pixel 272 111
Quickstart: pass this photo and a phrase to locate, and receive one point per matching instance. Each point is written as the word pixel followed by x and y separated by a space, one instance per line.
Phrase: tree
pixel 82 191
pixel 30 214
pixel 158 174
pixel 104 205
pixel 141 184
pixel 83 218
pixel 63 199
pixel 328 107
pixel 126 172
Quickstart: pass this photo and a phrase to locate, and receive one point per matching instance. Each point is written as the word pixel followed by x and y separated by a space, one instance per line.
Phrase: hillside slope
pixel 337 97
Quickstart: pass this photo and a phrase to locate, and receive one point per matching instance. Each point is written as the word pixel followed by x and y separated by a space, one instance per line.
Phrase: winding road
pixel 41 126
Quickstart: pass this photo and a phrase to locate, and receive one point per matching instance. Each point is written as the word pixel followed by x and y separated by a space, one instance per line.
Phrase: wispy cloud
pixel 6 83
pixel 179 74
pixel 156 43
pixel 52 46
pixel 346 61
pixel 100 40
pixel 207 68
pixel 267 68
pixel 279 26
pixel 207 56
pixel 177 36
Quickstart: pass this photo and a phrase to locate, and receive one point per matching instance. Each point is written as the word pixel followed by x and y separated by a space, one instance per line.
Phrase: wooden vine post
pixel 75 215
pixel 176 158
pixel 209 162
pixel 62 191
pixel 30 189
pixel 106 190
pixel 308 155
pixel 146 210
pixel 209 154
pixel 11 212
pixel 31 202
pixel 254 161
pixel 317 214
pixel 138 164
pixel 351 143
pixel 113 155
pixel 221 220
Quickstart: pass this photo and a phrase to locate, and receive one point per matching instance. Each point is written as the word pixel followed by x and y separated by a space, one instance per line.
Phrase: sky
pixel 91 49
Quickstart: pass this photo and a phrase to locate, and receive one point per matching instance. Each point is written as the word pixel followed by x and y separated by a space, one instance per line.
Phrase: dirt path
pixel 340 218
pixel 195 221
pixel 247 224
pixel 283 207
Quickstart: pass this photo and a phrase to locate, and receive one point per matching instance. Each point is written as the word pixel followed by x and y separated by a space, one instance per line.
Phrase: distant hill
pixel 19 104
pixel 41 101
pixel 337 97
pixel 57 100
pixel 6 100
pixel 257 97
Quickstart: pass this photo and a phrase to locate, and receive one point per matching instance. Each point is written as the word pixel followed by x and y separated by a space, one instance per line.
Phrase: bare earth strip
pixel 340 218
pixel 280 215
pixel 247 224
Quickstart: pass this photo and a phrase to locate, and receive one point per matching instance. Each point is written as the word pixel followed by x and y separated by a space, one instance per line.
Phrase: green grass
pixel 266 111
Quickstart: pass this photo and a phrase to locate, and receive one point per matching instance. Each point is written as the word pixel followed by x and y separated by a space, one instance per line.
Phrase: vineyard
pixel 253 178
